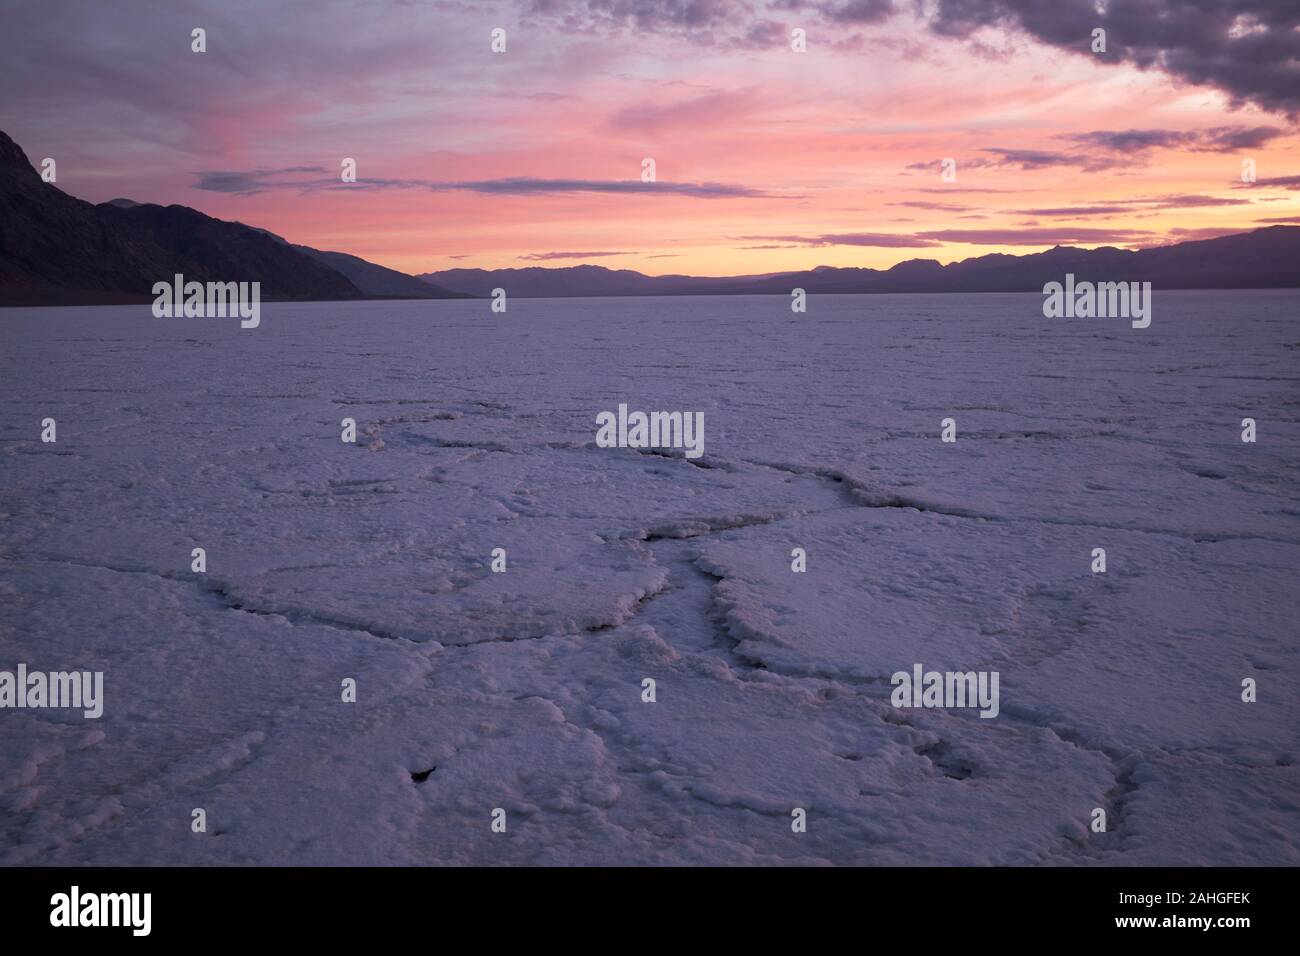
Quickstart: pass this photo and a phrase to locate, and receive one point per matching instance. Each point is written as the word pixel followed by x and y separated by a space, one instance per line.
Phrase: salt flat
pixel 523 690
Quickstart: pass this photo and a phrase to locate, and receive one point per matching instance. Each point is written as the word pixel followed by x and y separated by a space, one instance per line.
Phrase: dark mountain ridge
pixel 56 249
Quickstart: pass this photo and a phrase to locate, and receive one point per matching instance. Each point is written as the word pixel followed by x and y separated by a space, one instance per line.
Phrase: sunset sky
pixel 766 159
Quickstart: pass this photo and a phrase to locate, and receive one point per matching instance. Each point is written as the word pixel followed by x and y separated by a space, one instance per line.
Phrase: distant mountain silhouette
pixel 1262 259
pixel 59 250
pixel 376 281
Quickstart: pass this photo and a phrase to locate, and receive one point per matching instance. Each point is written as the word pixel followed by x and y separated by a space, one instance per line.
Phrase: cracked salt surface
pixel 523 690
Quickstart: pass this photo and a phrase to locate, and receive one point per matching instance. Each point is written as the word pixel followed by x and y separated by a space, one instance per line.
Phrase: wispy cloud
pixel 1027 159
pixel 252 182
pixel 526 185
pixel 1283 182
pixel 962 189
pixel 1017 236
pixel 931 205
pixel 1129 206
pixel 1047 159
pixel 1054 236
pixel 1217 139
pixel 879 239
pixel 1072 211
pixel 548 256
pixel 656 116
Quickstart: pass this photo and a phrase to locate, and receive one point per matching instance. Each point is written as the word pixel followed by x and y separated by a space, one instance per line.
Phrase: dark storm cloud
pixel 648 15
pixel 1249 49
pixel 856 11
pixel 725 16
pixel 762 35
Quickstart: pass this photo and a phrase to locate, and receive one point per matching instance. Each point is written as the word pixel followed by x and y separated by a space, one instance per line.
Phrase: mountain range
pixel 56 249
pixel 1261 259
